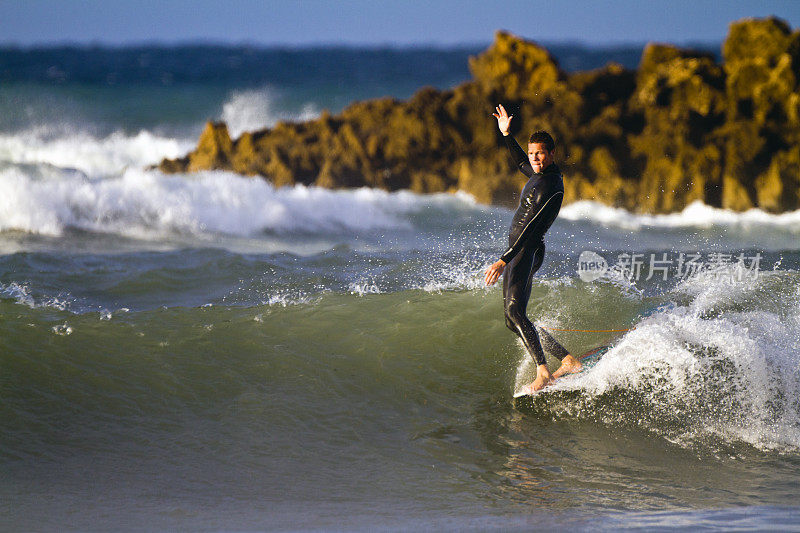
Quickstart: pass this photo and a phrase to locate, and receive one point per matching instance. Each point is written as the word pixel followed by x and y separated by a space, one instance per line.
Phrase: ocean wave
pixel 22 294
pixel 722 366
pixel 148 204
pixel 93 155
pixel 465 274
pixel 250 110
pixel 695 215
pixel 433 274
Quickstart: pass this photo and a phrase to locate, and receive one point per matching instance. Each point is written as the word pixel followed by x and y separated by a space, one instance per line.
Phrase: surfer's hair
pixel 543 137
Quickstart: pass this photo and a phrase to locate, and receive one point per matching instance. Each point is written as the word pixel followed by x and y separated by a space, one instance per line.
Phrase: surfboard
pixel 588 359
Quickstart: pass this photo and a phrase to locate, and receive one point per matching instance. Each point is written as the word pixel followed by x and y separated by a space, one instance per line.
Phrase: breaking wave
pixel 695 215
pixel 145 204
pixel 95 156
pixel 718 365
pixel 250 110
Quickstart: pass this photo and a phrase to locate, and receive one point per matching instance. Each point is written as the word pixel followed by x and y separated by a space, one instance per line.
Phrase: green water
pixel 207 352
pixel 356 409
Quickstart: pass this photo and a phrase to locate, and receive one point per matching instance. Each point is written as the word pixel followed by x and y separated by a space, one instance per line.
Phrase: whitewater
pixel 207 351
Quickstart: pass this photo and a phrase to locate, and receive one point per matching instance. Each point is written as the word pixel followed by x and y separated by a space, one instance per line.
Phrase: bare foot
pixel 543 378
pixel 569 365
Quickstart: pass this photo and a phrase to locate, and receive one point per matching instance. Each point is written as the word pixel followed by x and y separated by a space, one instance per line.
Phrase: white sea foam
pixel 95 156
pixel 285 299
pixel 62 329
pixel 724 366
pixel 694 215
pixel 22 294
pixel 251 110
pixel 148 204
pixel 464 277
pixel 455 273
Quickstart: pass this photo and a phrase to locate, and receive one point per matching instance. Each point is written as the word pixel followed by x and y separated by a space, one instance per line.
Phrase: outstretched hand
pixel 494 272
pixel 503 119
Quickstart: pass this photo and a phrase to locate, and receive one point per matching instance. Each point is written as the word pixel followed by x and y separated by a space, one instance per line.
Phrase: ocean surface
pixel 206 352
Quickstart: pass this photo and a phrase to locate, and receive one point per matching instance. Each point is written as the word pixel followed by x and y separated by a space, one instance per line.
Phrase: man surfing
pixel 539 205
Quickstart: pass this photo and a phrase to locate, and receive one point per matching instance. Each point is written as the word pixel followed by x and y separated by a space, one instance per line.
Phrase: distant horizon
pixel 375 23
pixel 334 45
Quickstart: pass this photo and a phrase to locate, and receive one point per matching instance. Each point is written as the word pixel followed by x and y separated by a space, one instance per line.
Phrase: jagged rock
pixel 681 94
pixel 515 69
pixel 762 62
pixel 680 128
pixel 214 149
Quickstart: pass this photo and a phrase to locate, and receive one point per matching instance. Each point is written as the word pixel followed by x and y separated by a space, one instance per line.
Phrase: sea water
pixel 209 352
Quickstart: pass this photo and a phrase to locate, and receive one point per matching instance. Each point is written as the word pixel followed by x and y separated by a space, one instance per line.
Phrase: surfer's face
pixel 539 156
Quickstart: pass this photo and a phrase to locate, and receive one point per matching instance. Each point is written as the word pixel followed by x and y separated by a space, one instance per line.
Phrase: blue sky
pixel 377 22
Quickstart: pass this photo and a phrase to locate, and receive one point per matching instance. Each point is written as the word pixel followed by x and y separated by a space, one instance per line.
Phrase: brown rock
pixel 214 149
pixel 681 128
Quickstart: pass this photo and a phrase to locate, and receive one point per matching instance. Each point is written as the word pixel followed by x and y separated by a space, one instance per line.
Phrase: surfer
pixel 539 204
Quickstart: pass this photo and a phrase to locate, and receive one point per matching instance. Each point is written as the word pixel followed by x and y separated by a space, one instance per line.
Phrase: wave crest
pixel 695 215
pixel 92 155
pixel 722 368
pixel 252 110
pixel 147 204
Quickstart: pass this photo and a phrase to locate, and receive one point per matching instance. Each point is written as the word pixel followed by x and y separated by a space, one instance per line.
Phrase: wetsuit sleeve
pixel 537 225
pixel 518 155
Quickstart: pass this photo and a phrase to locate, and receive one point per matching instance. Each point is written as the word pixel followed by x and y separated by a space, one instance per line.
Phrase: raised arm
pixel 517 153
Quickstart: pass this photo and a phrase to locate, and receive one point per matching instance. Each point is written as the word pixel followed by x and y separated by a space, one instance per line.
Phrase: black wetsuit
pixel 539 204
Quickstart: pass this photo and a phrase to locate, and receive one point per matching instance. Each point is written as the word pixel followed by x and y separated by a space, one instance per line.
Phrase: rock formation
pixel 680 128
